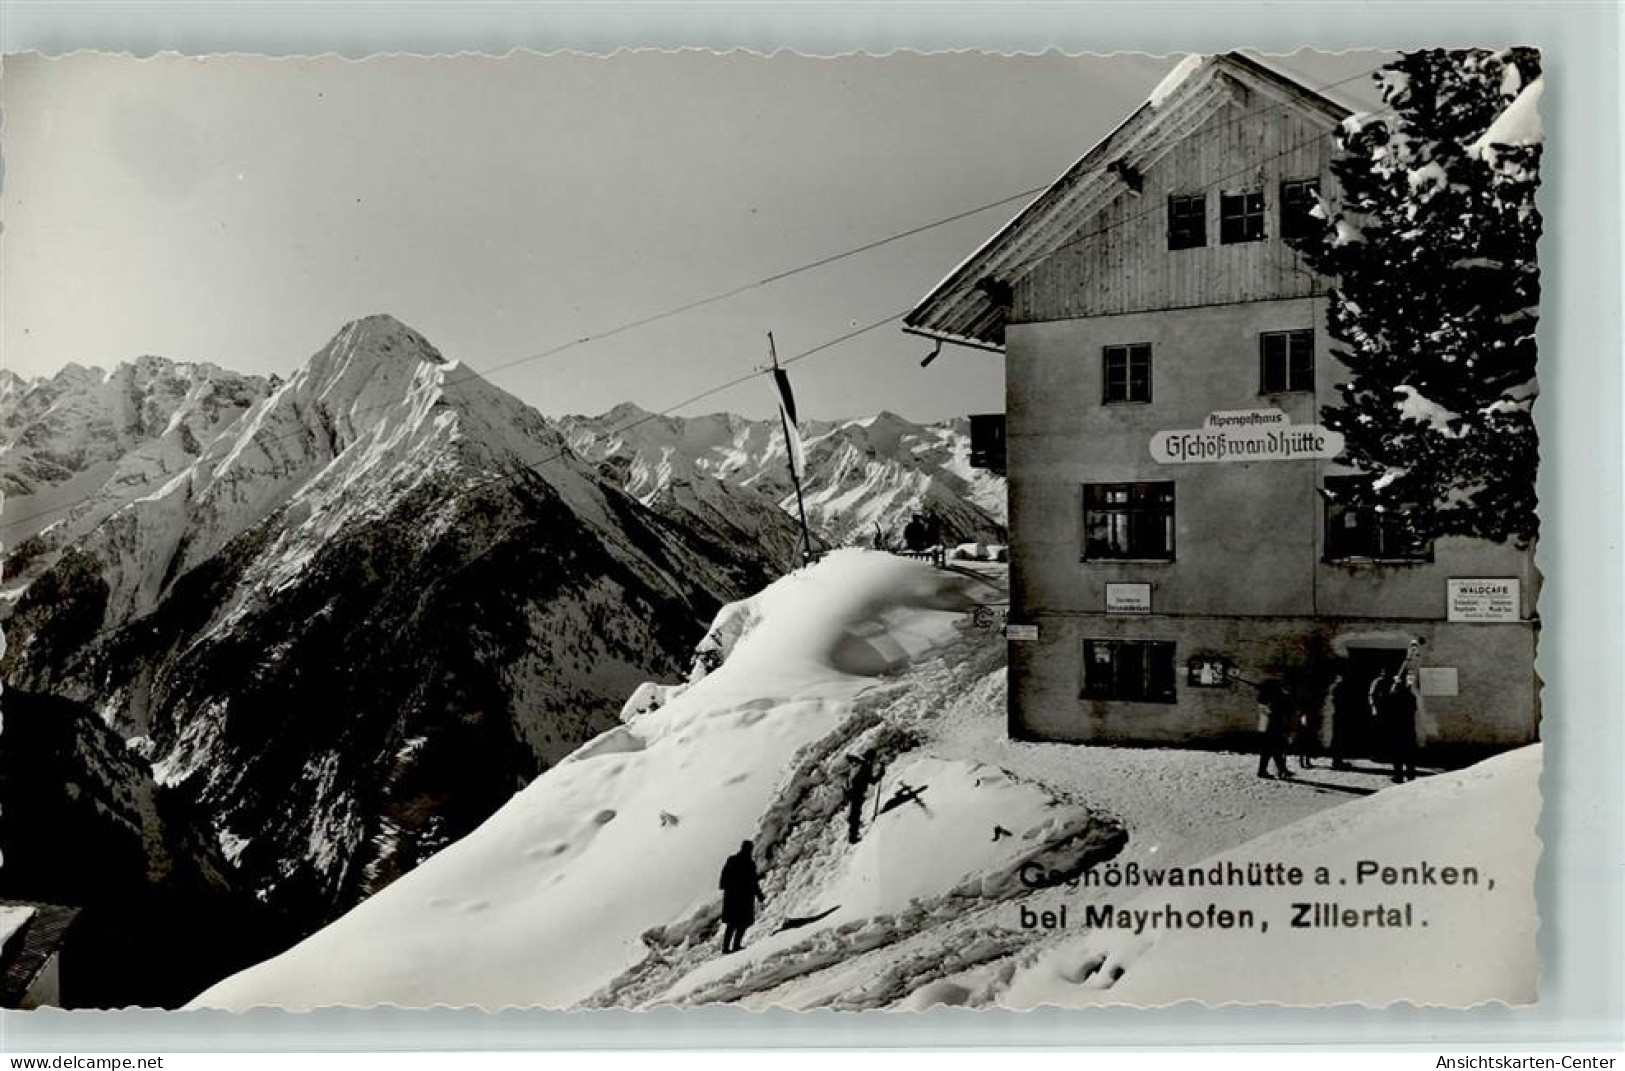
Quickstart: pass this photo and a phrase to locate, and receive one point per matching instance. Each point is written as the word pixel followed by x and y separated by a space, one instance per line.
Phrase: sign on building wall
pixel 1128 598
pixel 1477 601
pixel 1437 680
pixel 1021 632
pixel 1246 435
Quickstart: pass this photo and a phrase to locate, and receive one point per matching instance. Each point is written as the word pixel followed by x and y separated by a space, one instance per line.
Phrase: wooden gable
pixel 1095 241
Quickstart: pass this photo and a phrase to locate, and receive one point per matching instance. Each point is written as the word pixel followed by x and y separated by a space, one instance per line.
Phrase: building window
pixel 1363 533
pixel 1137 670
pixel 1241 217
pixel 1126 373
pixel 1286 361
pixel 1187 221
pixel 1128 520
pixel 1298 199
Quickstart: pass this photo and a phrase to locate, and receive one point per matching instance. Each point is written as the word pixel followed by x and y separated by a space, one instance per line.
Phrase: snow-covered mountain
pixel 95 440
pixel 384 596
pixel 860 473
pixel 597 885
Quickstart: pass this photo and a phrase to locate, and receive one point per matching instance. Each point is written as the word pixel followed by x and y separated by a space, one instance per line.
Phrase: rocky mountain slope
pixel 94 440
pixel 860 473
pixel 383 597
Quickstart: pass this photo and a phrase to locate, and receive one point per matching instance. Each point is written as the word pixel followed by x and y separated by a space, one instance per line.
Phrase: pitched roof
pixel 966 306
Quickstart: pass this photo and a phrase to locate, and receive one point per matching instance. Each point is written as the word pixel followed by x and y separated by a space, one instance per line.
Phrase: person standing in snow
pixel 858 784
pixel 1275 727
pixel 914 535
pixel 1398 711
pixel 741 891
pixel 1306 734
pixel 1351 714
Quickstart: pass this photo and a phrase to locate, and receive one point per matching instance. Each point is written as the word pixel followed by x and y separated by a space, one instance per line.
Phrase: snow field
pixel 597 884
pixel 1478 944
pixel 548 900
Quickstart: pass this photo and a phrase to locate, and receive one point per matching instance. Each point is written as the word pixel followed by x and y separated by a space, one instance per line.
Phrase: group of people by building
pixel 922 538
pixel 1378 720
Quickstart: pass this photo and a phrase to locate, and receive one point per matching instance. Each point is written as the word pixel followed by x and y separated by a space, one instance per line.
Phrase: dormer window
pixel 1241 217
pixel 1187 221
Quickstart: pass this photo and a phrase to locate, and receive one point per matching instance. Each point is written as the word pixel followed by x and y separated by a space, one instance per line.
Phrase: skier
pixel 1274 725
pixel 741 891
pixel 857 793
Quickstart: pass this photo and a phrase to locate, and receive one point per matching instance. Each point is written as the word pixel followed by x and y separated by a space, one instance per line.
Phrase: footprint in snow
pixel 604 817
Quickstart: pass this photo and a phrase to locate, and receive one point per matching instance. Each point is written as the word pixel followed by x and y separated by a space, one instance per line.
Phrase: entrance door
pixel 1355 733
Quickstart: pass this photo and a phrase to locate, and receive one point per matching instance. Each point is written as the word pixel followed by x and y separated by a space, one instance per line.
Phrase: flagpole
pixel 789 450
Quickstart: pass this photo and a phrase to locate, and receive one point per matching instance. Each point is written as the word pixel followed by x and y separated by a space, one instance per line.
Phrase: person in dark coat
pixel 1397 708
pixel 1351 714
pixel 1275 728
pixel 914 535
pixel 857 793
pixel 741 891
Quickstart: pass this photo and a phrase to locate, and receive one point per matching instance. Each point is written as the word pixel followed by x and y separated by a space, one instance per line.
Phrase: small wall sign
pixel 1437 680
pixel 1477 601
pixel 1021 633
pixel 1128 598
pixel 1209 671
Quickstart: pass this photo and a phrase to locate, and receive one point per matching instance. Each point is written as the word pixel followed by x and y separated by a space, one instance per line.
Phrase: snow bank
pixel 1475 943
pixel 981 552
pixel 957 846
pixel 548 900
pixel 12 919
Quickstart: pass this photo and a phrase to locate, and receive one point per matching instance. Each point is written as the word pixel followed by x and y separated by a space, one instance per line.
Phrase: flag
pixel 792 433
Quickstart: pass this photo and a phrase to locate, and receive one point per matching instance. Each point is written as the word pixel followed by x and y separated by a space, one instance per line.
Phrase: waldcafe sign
pixel 1246 435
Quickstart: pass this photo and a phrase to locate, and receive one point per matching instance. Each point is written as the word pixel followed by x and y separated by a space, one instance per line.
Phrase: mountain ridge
pixel 384 597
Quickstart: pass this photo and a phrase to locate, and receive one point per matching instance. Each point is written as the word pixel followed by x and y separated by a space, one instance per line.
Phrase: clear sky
pixel 240 210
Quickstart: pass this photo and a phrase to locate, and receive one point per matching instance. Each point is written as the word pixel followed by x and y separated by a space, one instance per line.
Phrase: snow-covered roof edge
pixel 956 309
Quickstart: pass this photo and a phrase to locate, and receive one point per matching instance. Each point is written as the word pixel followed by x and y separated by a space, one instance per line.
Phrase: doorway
pixel 1355 732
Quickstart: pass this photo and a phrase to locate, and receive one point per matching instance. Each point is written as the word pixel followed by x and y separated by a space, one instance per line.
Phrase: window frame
pixel 1148 505
pixel 1289 381
pixel 1183 236
pixel 1382 551
pixel 1128 351
pixel 1297 224
pixel 1156 671
pixel 1249 216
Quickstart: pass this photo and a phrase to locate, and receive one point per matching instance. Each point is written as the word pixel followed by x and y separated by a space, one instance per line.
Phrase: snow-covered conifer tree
pixel 1430 245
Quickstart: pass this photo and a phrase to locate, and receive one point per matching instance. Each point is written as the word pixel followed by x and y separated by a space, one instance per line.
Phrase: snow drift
pixel 601 874
pixel 1476 943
